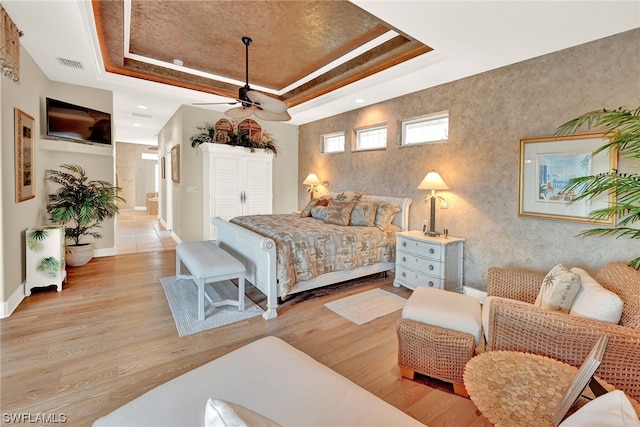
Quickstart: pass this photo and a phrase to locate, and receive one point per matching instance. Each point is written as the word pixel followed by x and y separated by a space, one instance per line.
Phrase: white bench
pixel 208 263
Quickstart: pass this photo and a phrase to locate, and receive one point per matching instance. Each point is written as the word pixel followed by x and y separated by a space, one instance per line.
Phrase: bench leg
pixel 200 283
pixel 241 293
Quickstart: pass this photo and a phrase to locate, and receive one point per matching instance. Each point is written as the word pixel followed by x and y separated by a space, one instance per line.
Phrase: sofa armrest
pixel 515 284
pixel 560 336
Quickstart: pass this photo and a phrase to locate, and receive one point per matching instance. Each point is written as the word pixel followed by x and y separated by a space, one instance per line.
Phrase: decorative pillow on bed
pixel 219 413
pixel 345 196
pixel 339 213
pixel 364 214
pixel 385 214
pixel 319 212
pixel 315 202
pixel 559 289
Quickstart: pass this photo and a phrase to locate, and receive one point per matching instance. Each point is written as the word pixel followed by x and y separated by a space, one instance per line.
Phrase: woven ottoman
pixel 438 334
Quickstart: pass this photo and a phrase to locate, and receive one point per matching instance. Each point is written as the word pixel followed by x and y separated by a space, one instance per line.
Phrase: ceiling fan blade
pixel 266 102
pixel 239 113
pixel 271 116
pixel 215 103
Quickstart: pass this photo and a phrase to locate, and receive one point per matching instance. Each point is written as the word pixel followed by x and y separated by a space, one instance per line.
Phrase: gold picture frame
pixel 175 164
pixel 25 156
pixel 163 167
pixel 546 165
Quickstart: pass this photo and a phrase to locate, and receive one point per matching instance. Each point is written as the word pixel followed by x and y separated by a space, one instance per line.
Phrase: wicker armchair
pixel 518 327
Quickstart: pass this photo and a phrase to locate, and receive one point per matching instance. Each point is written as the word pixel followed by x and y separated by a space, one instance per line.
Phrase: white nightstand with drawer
pixel 435 262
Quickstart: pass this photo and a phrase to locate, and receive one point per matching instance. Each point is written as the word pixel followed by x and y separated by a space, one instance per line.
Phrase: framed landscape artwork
pixel 25 156
pixel 175 163
pixel 546 166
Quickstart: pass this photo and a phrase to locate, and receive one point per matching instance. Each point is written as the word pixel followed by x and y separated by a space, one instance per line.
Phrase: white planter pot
pixel 77 255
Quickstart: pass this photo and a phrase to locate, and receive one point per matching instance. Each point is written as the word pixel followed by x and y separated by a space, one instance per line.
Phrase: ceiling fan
pixel 253 102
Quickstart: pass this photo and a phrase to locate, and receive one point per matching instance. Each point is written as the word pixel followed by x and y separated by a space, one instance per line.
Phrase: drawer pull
pixel 432 251
pixel 404 244
pixel 431 284
pixel 404 274
pixel 430 267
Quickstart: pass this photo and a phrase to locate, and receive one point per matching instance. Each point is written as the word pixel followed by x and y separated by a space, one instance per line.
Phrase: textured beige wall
pixel 489 113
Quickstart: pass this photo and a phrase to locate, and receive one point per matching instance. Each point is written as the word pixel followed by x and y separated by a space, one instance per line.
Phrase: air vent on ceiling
pixel 70 63
pixel 146 116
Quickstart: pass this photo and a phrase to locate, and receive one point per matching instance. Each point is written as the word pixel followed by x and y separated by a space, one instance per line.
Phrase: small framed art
pixel 25 156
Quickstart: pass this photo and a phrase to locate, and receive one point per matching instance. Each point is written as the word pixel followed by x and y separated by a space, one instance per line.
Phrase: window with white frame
pixel 432 128
pixel 333 142
pixel 371 138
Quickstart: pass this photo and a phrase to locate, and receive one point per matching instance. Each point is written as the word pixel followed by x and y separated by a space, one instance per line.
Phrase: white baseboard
pixel 14 300
pixel 176 238
pixel 104 252
pixel 476 293
pixel 140 208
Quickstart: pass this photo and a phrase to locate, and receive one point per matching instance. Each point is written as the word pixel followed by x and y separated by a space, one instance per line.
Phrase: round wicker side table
pixel 520 389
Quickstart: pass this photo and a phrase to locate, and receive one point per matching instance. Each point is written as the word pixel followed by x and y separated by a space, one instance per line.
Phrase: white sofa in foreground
pixel 269 377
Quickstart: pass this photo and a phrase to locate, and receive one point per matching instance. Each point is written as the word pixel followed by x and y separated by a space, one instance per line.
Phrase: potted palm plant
pixel 623 127
pixel 81 205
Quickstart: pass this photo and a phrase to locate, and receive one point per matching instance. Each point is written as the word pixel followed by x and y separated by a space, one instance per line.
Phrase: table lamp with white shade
pixel 433 181
pixel 312 181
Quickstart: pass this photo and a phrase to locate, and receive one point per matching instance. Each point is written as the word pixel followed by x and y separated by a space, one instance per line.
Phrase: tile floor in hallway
pixel 137 231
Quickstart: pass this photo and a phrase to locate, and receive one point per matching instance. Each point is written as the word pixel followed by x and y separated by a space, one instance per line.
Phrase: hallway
pixel 137 231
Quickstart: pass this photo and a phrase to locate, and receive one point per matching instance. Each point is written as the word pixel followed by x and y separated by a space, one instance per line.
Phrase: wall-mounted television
pixel 78 124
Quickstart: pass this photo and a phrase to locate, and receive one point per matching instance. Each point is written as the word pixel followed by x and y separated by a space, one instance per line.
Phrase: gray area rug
pixel 367 306
pixel 182 295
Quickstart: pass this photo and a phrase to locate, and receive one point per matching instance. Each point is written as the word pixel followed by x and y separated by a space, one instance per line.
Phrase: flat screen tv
pixel 78 124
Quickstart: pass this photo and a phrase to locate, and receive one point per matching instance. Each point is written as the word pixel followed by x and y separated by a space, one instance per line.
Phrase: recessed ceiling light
pixel 178 62
pixel 359 101
pixel 137 125
pixel 142 107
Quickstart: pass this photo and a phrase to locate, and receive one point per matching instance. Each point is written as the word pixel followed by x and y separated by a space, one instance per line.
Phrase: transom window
pixel 371 138
pixel 333 142
pixel 432 128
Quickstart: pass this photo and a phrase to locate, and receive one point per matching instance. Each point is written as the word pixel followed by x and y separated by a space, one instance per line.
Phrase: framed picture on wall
pixel 175 163
pixel 546 166
pixel 162 167
pixel 25 156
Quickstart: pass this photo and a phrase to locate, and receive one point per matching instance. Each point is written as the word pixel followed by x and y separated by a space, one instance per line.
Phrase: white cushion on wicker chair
pixel 594 301
pixel 445 309
pixel 612 409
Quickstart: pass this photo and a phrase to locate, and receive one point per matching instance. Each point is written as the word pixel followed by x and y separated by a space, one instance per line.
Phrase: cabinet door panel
pixel 226 186
pixel 257 186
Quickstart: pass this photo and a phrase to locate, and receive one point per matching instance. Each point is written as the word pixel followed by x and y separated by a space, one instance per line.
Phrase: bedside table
pixel 430 261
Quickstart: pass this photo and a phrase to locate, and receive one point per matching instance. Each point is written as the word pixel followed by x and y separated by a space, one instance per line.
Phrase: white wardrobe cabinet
pixel 235 181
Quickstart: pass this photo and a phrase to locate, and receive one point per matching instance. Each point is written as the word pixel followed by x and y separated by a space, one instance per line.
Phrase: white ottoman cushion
pixel 448 310
pixel 612 409
pixel 205 259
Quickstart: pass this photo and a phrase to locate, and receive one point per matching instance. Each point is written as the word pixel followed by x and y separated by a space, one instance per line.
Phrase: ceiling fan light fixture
pixel 240 113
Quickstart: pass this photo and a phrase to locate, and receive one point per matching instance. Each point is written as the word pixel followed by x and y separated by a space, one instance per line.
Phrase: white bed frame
pixel 258 253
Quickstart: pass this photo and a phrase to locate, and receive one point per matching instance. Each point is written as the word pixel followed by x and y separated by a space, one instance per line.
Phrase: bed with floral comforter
pixel 286 254
pixel 308 247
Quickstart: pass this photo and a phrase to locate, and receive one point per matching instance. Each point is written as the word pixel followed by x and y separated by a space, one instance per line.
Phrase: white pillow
pixel 612 409
pixel 558 289
pixel 594 301
pixel 219 413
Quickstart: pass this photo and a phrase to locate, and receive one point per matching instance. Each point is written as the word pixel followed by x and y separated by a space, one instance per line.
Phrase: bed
pixel 259 253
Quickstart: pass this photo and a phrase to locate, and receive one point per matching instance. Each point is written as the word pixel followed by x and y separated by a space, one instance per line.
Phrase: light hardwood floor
pixel 109 336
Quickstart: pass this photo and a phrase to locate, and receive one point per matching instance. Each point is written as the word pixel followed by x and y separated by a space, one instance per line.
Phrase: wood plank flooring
pixel 109 336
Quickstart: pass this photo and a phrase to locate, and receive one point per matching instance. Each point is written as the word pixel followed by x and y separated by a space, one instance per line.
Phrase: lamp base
pixel 431 233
